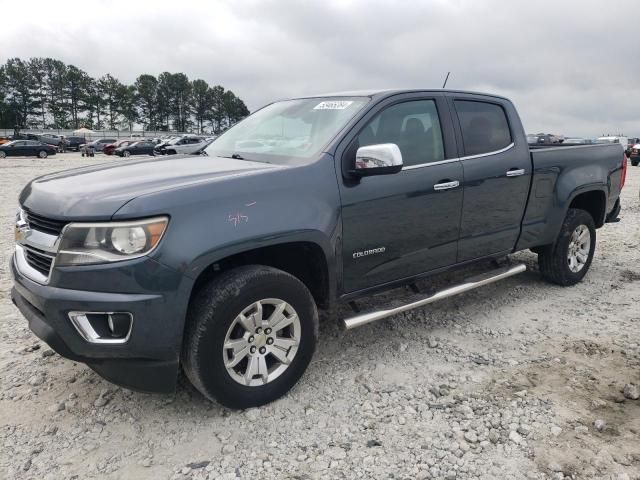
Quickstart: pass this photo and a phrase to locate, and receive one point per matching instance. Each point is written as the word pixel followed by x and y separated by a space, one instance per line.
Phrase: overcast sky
pixel 570 66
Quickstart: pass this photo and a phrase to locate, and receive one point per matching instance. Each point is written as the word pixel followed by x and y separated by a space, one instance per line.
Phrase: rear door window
pixel 484 126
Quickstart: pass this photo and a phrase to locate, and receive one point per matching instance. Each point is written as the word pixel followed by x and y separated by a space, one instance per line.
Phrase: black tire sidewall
pixel 214 319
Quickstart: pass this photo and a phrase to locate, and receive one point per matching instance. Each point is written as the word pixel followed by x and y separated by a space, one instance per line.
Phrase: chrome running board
pixel 468 284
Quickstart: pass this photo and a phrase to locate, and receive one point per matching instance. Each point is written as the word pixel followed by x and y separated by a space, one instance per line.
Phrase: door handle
pixel 515 172
pixel 446 185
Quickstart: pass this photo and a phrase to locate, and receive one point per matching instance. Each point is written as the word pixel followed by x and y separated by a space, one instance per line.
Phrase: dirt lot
pixel 519 379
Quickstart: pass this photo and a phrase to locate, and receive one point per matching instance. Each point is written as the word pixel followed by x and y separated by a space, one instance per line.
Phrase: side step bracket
pixel 468 284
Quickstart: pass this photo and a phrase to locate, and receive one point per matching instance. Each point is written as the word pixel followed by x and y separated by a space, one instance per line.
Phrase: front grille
pixel 39 260
pixel 44 224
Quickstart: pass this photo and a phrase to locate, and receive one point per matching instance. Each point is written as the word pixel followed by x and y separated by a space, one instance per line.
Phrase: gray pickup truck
pixel 217 264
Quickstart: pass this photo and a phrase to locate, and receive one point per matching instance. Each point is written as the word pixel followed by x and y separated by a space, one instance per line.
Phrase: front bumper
pixel 148 361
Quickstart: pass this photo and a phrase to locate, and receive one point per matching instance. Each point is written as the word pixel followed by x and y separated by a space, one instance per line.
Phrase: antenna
pixel 445 80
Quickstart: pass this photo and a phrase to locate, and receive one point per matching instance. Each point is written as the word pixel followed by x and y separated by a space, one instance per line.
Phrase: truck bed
pixel 589 167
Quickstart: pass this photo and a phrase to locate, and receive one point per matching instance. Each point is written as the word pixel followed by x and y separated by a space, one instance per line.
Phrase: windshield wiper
pixel 235 156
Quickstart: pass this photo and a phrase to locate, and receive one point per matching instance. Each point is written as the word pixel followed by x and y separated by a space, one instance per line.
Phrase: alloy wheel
pixel 579 247
pixel 261 342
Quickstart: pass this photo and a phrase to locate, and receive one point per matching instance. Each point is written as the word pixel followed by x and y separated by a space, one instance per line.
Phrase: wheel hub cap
pixel 261 342
pixel 579 248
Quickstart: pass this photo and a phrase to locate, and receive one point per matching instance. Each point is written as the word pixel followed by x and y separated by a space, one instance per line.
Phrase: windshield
pixel 292 128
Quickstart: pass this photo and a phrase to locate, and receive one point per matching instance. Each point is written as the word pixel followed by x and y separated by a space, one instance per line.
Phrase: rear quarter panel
pixel 559 175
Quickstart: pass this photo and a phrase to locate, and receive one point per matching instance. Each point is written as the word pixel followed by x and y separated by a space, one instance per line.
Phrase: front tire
pixel 567 261
pixel 635 163
pixel 250 335
pixel 126 153
pixel 3 154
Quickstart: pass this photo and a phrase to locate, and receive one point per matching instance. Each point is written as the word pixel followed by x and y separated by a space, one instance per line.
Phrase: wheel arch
pixel 593 201
pixel 304 259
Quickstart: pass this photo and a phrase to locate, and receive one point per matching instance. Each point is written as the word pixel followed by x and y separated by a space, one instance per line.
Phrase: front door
pixel 399 225
pixel 18 148
pixel 497 173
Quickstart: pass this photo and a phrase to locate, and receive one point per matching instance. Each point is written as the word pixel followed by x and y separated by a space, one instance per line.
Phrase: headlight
pixel 88 243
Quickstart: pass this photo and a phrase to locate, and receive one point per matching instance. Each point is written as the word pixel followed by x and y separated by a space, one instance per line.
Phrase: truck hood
pixel 98 191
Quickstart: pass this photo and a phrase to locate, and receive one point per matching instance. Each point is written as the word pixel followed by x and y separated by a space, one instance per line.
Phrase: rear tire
pixel 635 164
pixel 567 261
pixel 2 154
pixel 223 312
pixel 42 154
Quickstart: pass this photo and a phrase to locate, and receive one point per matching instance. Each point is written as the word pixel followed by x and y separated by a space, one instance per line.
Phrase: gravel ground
pixel 519 379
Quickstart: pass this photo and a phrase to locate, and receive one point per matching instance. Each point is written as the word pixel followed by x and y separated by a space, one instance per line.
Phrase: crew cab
pixel 218 264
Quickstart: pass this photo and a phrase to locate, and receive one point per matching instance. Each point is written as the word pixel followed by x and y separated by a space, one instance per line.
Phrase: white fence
pixel 5 132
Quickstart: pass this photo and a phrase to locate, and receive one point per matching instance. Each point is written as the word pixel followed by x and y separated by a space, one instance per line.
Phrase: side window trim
pixel 488 154
pixel 468 157
pixel 430 164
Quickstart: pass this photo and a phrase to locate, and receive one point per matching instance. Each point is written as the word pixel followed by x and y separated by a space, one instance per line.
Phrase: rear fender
pixel 555 184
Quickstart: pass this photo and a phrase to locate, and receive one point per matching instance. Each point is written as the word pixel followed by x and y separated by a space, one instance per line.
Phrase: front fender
pixel 214 220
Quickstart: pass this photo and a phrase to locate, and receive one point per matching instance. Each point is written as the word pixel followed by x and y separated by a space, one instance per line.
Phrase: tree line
pixel 47 93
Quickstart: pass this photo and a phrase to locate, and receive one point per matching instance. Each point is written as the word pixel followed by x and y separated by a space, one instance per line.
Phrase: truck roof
pixel 395 91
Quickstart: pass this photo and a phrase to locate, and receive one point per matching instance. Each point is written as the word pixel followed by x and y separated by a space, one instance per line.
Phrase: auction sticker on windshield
pixel 333 105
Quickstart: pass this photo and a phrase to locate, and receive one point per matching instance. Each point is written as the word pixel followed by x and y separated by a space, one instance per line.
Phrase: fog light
pixel 103 327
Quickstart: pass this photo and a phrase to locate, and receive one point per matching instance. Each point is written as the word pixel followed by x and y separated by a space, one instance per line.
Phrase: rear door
pixel 32 147
pixel 497 174
pixel 400 225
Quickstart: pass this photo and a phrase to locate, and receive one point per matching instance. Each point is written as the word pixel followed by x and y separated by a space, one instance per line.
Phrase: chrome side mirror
pixel 381 159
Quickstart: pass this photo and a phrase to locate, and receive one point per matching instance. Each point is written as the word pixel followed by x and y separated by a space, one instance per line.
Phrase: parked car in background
pixel 98 145
pixel 182 145
pixel 164 141
pixel 543 139
pixel 27 148
pixel 622 140
pixel 202 149
pixel 631 143
pixel 575 141
pixel 111 147
pixel 143 147
pixel 73 143
pixel 52 139
pixel 634 154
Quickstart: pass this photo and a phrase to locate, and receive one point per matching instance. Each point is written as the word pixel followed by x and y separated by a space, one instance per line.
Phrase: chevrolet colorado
pixel 217 264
